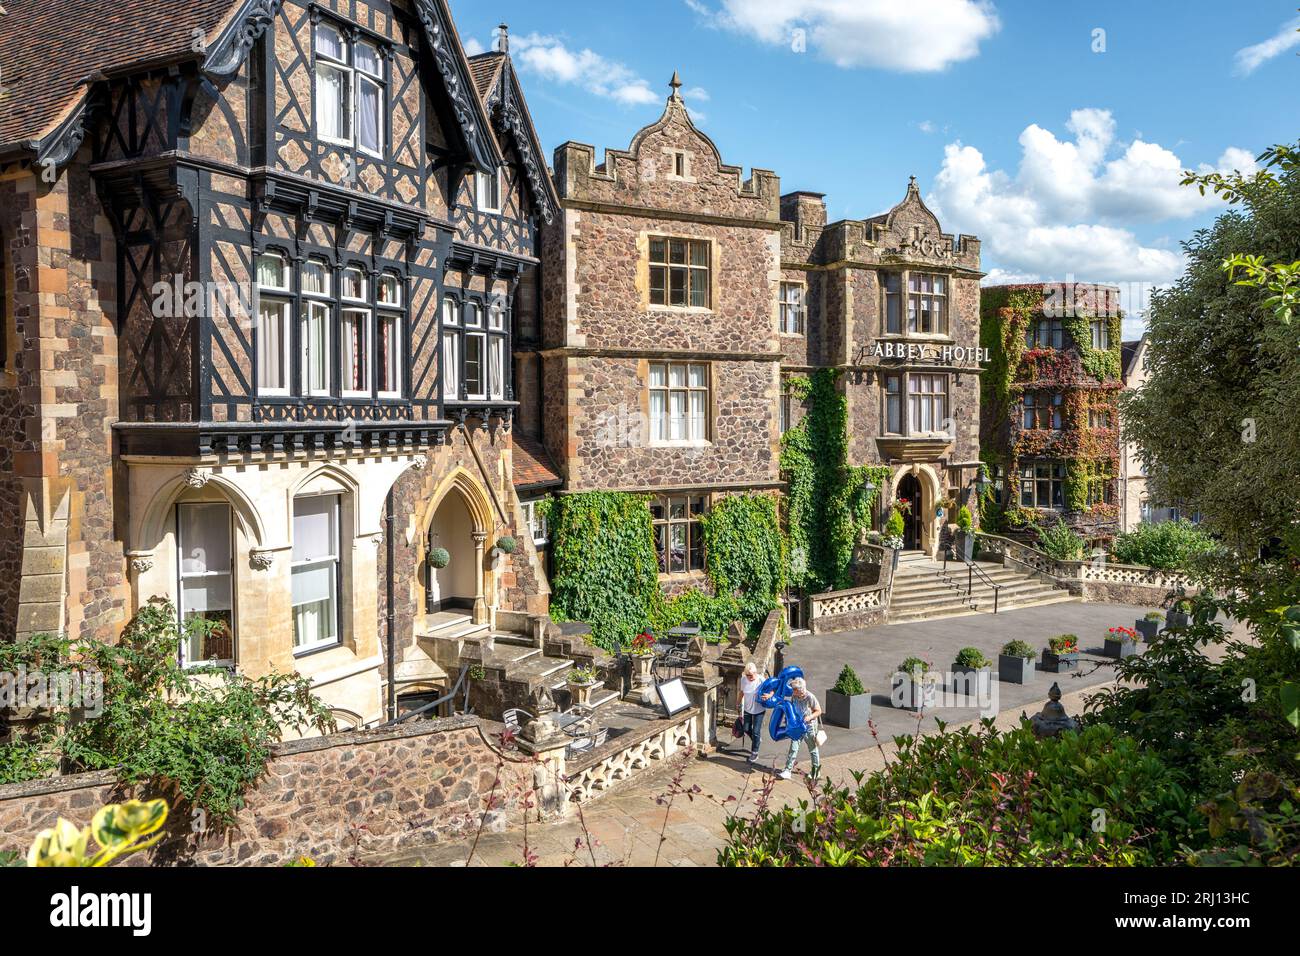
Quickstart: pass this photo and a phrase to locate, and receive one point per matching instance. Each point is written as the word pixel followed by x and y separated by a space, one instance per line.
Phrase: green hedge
pixel 1169 546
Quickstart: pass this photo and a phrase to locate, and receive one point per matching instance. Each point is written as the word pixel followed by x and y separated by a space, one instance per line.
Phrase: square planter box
pixel 1149 630
pixel 908 695
pixel 1178 619
pixel 972 681
pixel 1015 670
pixel 845 711
pixel 1118 650
pixel 966 546
pixel 1060 663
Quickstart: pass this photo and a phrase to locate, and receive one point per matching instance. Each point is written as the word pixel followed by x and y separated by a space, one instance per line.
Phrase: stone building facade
pixel 658 354
pixel 893 302
pixel 680 298
pixel 259 300
pixel 1051 407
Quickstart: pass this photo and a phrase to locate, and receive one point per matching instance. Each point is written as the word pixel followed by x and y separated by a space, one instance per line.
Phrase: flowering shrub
pixel 1123 635
pixel 643 645
pixel 1064 644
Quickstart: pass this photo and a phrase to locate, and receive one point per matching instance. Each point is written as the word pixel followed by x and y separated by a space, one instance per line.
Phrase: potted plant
pixel 914 685
pixel 965 535
pixel 972 670
pixel 1016 663
pixel 1180 614
pixel 1121 642
pixel 848 703
pixel 1062 654
pixel 439 558
pixel 582 682
pixel 894 529
pixel 1149 626
pixel 642 654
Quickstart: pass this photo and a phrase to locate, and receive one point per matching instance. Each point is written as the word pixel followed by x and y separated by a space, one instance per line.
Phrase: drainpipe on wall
pixel 390 539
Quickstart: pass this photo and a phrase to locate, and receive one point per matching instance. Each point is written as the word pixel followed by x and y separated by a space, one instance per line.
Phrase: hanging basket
pixel 439 558
pixel 508 545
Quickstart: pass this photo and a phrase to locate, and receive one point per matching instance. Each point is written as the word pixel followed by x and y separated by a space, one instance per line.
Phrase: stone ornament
pixel 142 564
pixel 262 560
pixel 197 479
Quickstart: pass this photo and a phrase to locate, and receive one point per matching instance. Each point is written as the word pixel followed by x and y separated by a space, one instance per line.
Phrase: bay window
pixel 475 351
pixel 925 398
pixel 927 304
pixel 316 568
pixel 679 402
pixel 1044 411
pixel 893 283
pixel 205 549
pixel 680 273
pixel 1045 334
pixel 679 538
pixel 1100 329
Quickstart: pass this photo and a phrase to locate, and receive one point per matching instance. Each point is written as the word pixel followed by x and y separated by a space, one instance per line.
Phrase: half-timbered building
pixel 262 265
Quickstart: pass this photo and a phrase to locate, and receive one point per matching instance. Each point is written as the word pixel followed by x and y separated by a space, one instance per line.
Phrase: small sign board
pixel 673 696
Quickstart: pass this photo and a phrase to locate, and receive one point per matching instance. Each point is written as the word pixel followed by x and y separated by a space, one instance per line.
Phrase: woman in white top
pixel 751 708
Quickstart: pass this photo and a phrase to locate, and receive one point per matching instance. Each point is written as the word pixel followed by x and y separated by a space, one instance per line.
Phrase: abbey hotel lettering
pixel 304 327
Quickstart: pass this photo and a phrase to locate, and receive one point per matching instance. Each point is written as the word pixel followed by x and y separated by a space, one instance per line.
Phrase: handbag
pixel 821 738
pixel 738 730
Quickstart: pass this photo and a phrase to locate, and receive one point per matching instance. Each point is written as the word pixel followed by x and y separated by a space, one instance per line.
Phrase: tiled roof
pixel 533 466
pixel 485 68
pixel 51 46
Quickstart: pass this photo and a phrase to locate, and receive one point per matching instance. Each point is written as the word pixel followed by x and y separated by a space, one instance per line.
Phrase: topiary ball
pixel 508 545
pixel 440 558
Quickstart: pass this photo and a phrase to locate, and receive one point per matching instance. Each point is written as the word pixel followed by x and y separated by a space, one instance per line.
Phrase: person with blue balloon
pixel 796 717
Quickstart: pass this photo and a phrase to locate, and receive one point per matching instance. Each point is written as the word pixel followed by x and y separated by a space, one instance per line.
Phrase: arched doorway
pixel 458 586
pixel 909 489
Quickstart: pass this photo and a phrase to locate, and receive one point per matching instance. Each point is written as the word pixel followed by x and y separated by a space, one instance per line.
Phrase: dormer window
pixel 350 91
pixel 487 190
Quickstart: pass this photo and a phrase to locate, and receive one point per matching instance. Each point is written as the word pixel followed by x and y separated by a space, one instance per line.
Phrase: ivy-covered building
pixel 1050 408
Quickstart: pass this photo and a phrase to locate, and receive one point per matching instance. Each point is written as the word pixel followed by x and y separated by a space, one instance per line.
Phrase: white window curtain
pixel 474 371
pixel 451 366
pixel 315 571
pixel 496 368
pixel 203 541
pixel 272 345
pixel 356 366
pixel 386 355
pixel 369 113
pixel 331 102
pixel 315 348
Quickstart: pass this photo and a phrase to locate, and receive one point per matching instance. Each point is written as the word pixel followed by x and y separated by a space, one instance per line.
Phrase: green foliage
pixel 965 520
pixel 895 526
pixel 1019 649
pixel 508 545
pixel 1169 546
pixel 1060 542
pixel 440 558
pixel 972 657
pixel 828 506
pixel 982 798
pixel 1215 422
pixel 605 564
pixel 118 830
pixel 848 684
pixel 714 614
pixel 583 676
pixel 202 735
pixel 1064 644
pixel 913 664
pixel 745 555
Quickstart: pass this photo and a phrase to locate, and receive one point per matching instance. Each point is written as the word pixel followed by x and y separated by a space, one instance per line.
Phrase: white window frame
pixel 537 526
pixel 378 82
pixel 229 574
pixel 939 303
pixel 917 401
pixel 1099 329
pixel 285 306
pixel 326 62
pixel 661 422
pixel 484 185
pixel 312 307
pixel 482 339
pixel 451 366
pixel 334 561
pixel 394 356
pixel 496 359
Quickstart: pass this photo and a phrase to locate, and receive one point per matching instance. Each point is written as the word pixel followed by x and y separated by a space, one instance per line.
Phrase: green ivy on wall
pixel 606 568
pixel 828 506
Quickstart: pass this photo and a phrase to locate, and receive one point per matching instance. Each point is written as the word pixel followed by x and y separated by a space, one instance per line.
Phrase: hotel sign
pixel 919 352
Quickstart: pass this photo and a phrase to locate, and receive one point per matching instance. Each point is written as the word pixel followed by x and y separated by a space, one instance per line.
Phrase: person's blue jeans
pixel 813 751
pixel 754 731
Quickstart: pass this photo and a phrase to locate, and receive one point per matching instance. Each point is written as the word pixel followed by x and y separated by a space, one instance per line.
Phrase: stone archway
pixel 926 481
pixel 460 524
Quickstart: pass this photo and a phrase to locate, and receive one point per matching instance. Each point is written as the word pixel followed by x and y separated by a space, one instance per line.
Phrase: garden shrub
pixel 1168 546
pixel 1060 542
pixel 849 684
pixel 982 798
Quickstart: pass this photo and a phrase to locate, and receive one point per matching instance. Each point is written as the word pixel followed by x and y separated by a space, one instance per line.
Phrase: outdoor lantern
pixel 982 482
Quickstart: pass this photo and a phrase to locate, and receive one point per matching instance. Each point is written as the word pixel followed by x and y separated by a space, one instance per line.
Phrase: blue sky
pixel 1062 156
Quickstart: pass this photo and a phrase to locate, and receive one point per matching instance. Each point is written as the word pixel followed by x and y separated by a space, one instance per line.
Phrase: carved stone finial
pixel 676 84
pixel 1053 720
pixel 503 38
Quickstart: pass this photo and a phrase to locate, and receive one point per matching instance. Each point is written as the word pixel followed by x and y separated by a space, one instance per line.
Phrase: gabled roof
pixel 55 49
pixel 52 46
pixel 502 96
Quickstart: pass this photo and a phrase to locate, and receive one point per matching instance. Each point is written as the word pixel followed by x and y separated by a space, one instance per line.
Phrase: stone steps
pixel 923 590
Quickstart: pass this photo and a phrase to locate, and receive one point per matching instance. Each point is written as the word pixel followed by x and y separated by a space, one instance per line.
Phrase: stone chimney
pixel 503 38
pixel 806 210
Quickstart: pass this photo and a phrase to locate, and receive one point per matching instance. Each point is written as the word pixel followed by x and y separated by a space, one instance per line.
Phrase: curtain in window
pixel 204 543
pixel 271 345
pixel 331 95
pixel 270 272
pixel 451 366
pixel 368 113
pixel 315 346
pixel 496 368
pixel 386 353
pixel 315 571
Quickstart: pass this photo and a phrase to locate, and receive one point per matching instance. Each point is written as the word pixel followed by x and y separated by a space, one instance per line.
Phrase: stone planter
pixel 1118 650
pixel 1178 619
pixel 972 681
pixel 1060 663
pixel 909 695
pixel 582 693
pixel 845 711
pixel 966 546
pixel 643 680
pixel 1149 630
pixel 1015 670
pixel 895 558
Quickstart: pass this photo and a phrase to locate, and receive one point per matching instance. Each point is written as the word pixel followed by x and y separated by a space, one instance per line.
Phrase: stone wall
pixel 421 783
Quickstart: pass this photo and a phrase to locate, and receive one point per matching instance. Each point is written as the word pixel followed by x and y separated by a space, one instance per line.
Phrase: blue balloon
pixel 787 719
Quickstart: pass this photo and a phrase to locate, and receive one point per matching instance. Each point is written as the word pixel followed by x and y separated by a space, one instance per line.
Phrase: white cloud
pixel 1067 210
pixel 473 47
pixel 920 36
pixel 1251 58
pixel 551 58
pixel 925 126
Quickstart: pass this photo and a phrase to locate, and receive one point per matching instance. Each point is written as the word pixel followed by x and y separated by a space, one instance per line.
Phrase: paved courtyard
pixel 636 826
